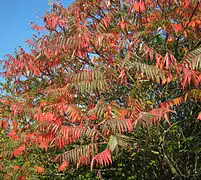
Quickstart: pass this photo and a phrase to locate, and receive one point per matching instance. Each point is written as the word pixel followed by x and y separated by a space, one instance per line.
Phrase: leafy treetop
pixel 88 80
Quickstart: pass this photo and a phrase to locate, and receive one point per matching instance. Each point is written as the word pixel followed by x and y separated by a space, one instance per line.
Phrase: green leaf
pixel 112 143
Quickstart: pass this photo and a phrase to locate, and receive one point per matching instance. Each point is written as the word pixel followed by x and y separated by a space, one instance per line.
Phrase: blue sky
pixel 15 18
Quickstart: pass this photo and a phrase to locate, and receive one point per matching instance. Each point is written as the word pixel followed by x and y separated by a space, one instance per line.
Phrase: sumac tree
pixel 104 76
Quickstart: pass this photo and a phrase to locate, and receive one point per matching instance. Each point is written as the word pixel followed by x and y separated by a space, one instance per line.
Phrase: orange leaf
pixel 39 170
pixel 170 39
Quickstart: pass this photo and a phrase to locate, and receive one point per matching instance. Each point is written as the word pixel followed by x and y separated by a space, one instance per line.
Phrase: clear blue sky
pixel 15 16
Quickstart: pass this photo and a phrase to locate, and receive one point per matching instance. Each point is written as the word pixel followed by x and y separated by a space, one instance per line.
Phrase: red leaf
pixel 136 6
pixel 173 59
pixel 199 116
pixel 104 158
pixel 159 58
pixel 195 78
pixel 159 114
pixel 13 135
pixel 189 76
pixel 16 168
pixel 63 166
pixel 142 6
pixel 177 28
pixel 186 76
pixel 35 27
pixel 21 178
pixel 167 61
pixel 93 117
pixel 18 151
pixel 139 6
pixel 99 175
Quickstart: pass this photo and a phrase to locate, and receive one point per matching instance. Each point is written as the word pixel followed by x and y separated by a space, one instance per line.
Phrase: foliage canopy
pixel 112 84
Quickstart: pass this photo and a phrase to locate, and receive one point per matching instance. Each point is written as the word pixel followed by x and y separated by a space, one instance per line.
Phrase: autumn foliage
pixel 87 82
